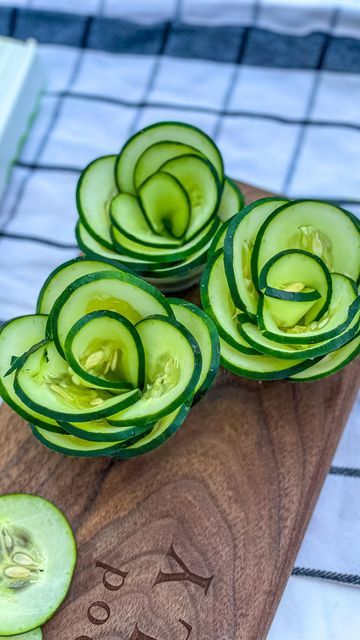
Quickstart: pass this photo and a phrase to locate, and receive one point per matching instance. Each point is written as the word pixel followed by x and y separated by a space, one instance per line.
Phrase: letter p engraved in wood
pixel 116 572
pixel 184 575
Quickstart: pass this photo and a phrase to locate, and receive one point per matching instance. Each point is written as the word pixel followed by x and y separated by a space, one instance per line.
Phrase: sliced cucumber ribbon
pixel 161 200
pixel 110 362
pixel 280 284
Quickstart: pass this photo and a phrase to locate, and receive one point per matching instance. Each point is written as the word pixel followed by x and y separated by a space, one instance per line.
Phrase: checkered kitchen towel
pixel 276 83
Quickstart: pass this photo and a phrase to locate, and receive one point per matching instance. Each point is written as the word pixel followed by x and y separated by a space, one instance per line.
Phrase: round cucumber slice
pixel 344 305
pixel 331 363
pixel 219 305
pixel 128 217
pixel 232 200
pixel 162 256
pixel 36 634
pixel 46 385
pixel 166 205
pixel 155 155
pixel 73 446
pixel 172 369
pixel 38 557
pixel 114 290
pixel 252 334
pixel 205 333
pixel 16 338
pixel 318 227
pixel 259 367
pixel 162 431
pixel 200 181
pixel 163 132
pixel 104 349
pixel 297 276
pixel 96 188
pixel 238 246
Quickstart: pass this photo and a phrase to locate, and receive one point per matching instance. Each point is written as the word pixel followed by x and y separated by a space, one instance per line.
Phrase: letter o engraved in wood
pixel 111 570
pixel 100 605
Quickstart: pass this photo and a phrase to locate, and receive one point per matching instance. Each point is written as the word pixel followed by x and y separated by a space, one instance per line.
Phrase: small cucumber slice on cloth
pixel 37 562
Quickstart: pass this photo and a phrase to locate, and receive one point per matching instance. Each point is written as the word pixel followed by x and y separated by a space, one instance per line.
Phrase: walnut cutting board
pixel 197 539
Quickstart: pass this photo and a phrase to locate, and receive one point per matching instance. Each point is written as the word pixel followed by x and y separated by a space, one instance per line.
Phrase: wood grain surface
pixel 197 539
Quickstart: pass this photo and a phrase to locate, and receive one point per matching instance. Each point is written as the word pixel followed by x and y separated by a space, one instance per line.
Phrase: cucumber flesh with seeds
pixel 166 205
pixel 238 245
pixel 119 291
pixel 128 217
pixel 232 200
pixel 17 337
pixel 161 431
pixel 38 557
pixel 219 305
pixel 163 132
pixel 286 313
pixel 172 369
pixel 104 349
pixel 199 179
pixel 344 305
pixel 155 156
pixel 96 188
pixel 279 279
pixel 45 385
pixel 319 227
pixel 205 333
pixel 331 363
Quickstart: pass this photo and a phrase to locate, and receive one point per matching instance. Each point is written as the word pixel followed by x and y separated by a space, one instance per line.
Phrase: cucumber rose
pixel 281 284
pixel 107 366
pixel 157 205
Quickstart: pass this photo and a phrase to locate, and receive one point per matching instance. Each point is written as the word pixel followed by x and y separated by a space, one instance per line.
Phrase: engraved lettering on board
pixel 113 579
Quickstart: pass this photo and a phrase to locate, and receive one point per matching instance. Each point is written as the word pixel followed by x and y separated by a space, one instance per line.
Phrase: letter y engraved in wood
pixel 184 575
pixel 187 626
